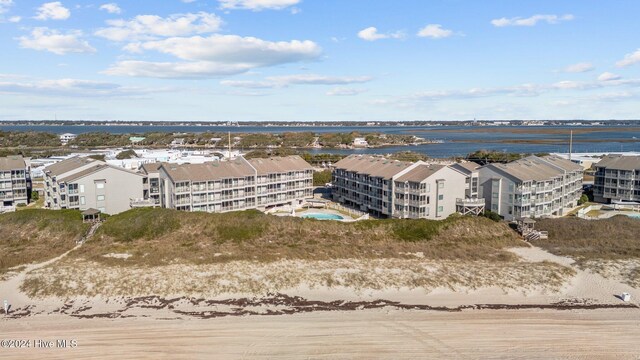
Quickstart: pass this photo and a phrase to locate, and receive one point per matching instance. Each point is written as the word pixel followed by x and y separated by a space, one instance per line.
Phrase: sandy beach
pixel 581 318
pixel 367 334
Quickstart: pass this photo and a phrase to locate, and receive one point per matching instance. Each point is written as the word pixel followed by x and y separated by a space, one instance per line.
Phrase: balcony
pixel 470 202
pixel 139 203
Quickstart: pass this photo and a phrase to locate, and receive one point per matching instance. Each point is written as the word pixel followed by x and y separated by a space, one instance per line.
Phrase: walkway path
pixel 10 288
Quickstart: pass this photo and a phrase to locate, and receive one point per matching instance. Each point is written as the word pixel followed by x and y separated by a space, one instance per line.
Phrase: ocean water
pixel 454 143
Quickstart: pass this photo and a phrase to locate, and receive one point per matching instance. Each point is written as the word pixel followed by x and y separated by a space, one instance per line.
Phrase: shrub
pixel 583 199
pixel 492 215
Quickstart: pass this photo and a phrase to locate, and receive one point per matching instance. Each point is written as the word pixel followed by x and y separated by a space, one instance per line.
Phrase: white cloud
pixel 52 10
pixel 69 87
pixel 175 70
pixel 257 5
pixel 531 21
pixel 434 31
pixel 341 91
pixel 5 5
pixel 312 79
pixel 607 76
pixel 579 67
pixel 248 84
pixel 44 39
pixel 215 55
pixel 150 27
pixel 111 8
pixel 235 49
pixel 372 34
pixel 297 79
pixel 629 59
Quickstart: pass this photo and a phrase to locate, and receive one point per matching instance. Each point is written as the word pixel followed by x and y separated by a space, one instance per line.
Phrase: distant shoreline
pixel 517 123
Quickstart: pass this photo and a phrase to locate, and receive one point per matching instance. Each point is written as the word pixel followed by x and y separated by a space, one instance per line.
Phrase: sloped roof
pixel 279 164
pixel 69 164
pixel 563 163
pixel 93 169
pixel 215 170
pixel 528 169
pixel 466 167
pixel 620 162
pixel 420 173
pixel 376 166
pixel 151 167
pixel 13 162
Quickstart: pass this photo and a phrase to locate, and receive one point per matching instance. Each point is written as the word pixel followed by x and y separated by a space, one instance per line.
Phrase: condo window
pixel 100 185
pixel 100 198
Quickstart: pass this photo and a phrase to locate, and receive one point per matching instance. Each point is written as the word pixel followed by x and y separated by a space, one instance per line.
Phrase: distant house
pixel 65 138
pixel 360 142
pixel 177 142
pixel 136 139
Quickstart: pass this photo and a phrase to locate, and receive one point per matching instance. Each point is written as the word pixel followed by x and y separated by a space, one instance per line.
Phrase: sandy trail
pixel 10 288
pixel 370 334
pixel 585 284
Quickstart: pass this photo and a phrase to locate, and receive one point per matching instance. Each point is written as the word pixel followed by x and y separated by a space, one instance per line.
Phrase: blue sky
pixel 319 60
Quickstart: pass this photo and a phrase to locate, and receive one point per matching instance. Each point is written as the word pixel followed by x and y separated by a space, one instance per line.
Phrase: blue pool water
pixel 635 216
pixel 322 216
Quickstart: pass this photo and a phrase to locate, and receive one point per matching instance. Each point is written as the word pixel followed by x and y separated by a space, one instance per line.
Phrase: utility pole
pixel 229 145
pixel 570 144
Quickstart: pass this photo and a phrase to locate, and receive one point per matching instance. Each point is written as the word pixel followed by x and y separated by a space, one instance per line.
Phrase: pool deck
pixel 299 213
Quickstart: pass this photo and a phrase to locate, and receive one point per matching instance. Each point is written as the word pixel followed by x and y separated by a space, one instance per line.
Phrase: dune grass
pixel 35 235
pixel 607 239
pixel 162 236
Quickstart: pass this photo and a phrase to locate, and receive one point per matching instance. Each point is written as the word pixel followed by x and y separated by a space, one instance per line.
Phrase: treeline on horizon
pixel 43 144
pixel 301 123
pixel 32 139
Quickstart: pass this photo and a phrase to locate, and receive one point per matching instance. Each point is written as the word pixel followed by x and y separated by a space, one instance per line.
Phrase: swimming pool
pixel 635 216
pixel 318 216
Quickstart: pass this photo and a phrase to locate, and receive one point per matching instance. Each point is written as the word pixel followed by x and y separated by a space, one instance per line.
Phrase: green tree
pixel 583 199
pixel 320 178
pixel 127 154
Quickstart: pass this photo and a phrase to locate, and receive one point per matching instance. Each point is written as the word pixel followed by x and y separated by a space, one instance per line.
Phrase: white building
pixel 617 178
pixel 398 189
pixel 85 183
pixel 237 184
pixel 15 182
pixel 360 142
pixel 65 138
pixel 531 187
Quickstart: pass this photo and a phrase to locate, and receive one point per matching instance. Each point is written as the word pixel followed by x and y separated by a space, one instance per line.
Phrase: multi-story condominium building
pixel 470 169
pixel 617 178
pixel 388 188
pixel 85 183
pixel 531 187
pixel 15 181
pixel 238 184
pixel 152 195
